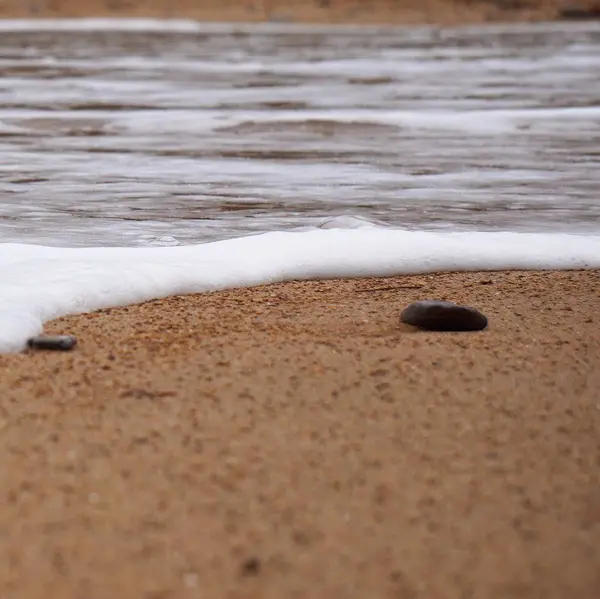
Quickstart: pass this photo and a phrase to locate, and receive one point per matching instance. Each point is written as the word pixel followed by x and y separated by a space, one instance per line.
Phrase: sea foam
pixel 41 283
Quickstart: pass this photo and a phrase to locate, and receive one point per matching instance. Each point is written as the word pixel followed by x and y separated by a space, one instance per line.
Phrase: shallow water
pixel 137 136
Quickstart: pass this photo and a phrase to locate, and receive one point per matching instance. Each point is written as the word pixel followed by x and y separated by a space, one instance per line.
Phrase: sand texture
pixel 445 12
pixel 296 441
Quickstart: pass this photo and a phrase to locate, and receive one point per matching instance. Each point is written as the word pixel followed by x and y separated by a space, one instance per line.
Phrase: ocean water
pixel 271 153
pixel 136 133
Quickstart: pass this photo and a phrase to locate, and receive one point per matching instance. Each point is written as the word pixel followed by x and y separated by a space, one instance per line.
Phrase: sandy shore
pixel 296 441
pixel 443 12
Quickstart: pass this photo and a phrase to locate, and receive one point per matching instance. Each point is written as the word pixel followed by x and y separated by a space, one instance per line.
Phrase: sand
pixel 296 441
pixel 442 12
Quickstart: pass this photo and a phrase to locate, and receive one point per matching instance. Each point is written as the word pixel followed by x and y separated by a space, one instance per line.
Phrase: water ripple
pixel 133 133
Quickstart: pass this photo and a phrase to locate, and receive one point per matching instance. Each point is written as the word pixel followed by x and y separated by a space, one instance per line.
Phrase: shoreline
pixel 411 12
pixel 295 440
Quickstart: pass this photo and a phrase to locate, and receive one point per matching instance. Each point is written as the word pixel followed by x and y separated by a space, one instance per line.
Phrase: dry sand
pixel 443 12
pixel 295 441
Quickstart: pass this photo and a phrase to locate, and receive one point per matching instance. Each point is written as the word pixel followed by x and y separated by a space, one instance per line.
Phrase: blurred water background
pixel 140 134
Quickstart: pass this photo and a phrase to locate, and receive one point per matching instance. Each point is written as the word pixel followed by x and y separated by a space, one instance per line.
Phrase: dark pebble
pixel 575 12
pixel 251 567
pixel 436 315
pixel 53 342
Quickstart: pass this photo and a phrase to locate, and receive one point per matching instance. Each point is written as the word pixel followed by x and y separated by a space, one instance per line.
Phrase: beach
pixel 295 440
pixel 407 12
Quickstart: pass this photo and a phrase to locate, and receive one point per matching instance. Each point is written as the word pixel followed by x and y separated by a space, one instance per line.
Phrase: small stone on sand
pixel 52 342
pixel 251 567
pixel 437 315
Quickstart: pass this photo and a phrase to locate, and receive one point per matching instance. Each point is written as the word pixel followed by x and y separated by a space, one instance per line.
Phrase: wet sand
pixel 295 440
pixel 444 12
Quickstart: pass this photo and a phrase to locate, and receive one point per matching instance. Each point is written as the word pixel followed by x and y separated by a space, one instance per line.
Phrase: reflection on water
pixel 133 137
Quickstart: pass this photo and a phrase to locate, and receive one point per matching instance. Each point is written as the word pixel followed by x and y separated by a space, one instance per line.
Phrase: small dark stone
pixel 251 567
pixel 52 342
pixel 574 12
pixel 436 315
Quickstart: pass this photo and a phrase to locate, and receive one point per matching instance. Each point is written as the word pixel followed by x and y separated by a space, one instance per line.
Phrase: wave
pixel 41 283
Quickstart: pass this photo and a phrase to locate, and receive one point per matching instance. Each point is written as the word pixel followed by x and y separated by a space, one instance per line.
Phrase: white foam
pixel 149 25
pixel 94 24
pixel 40 283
